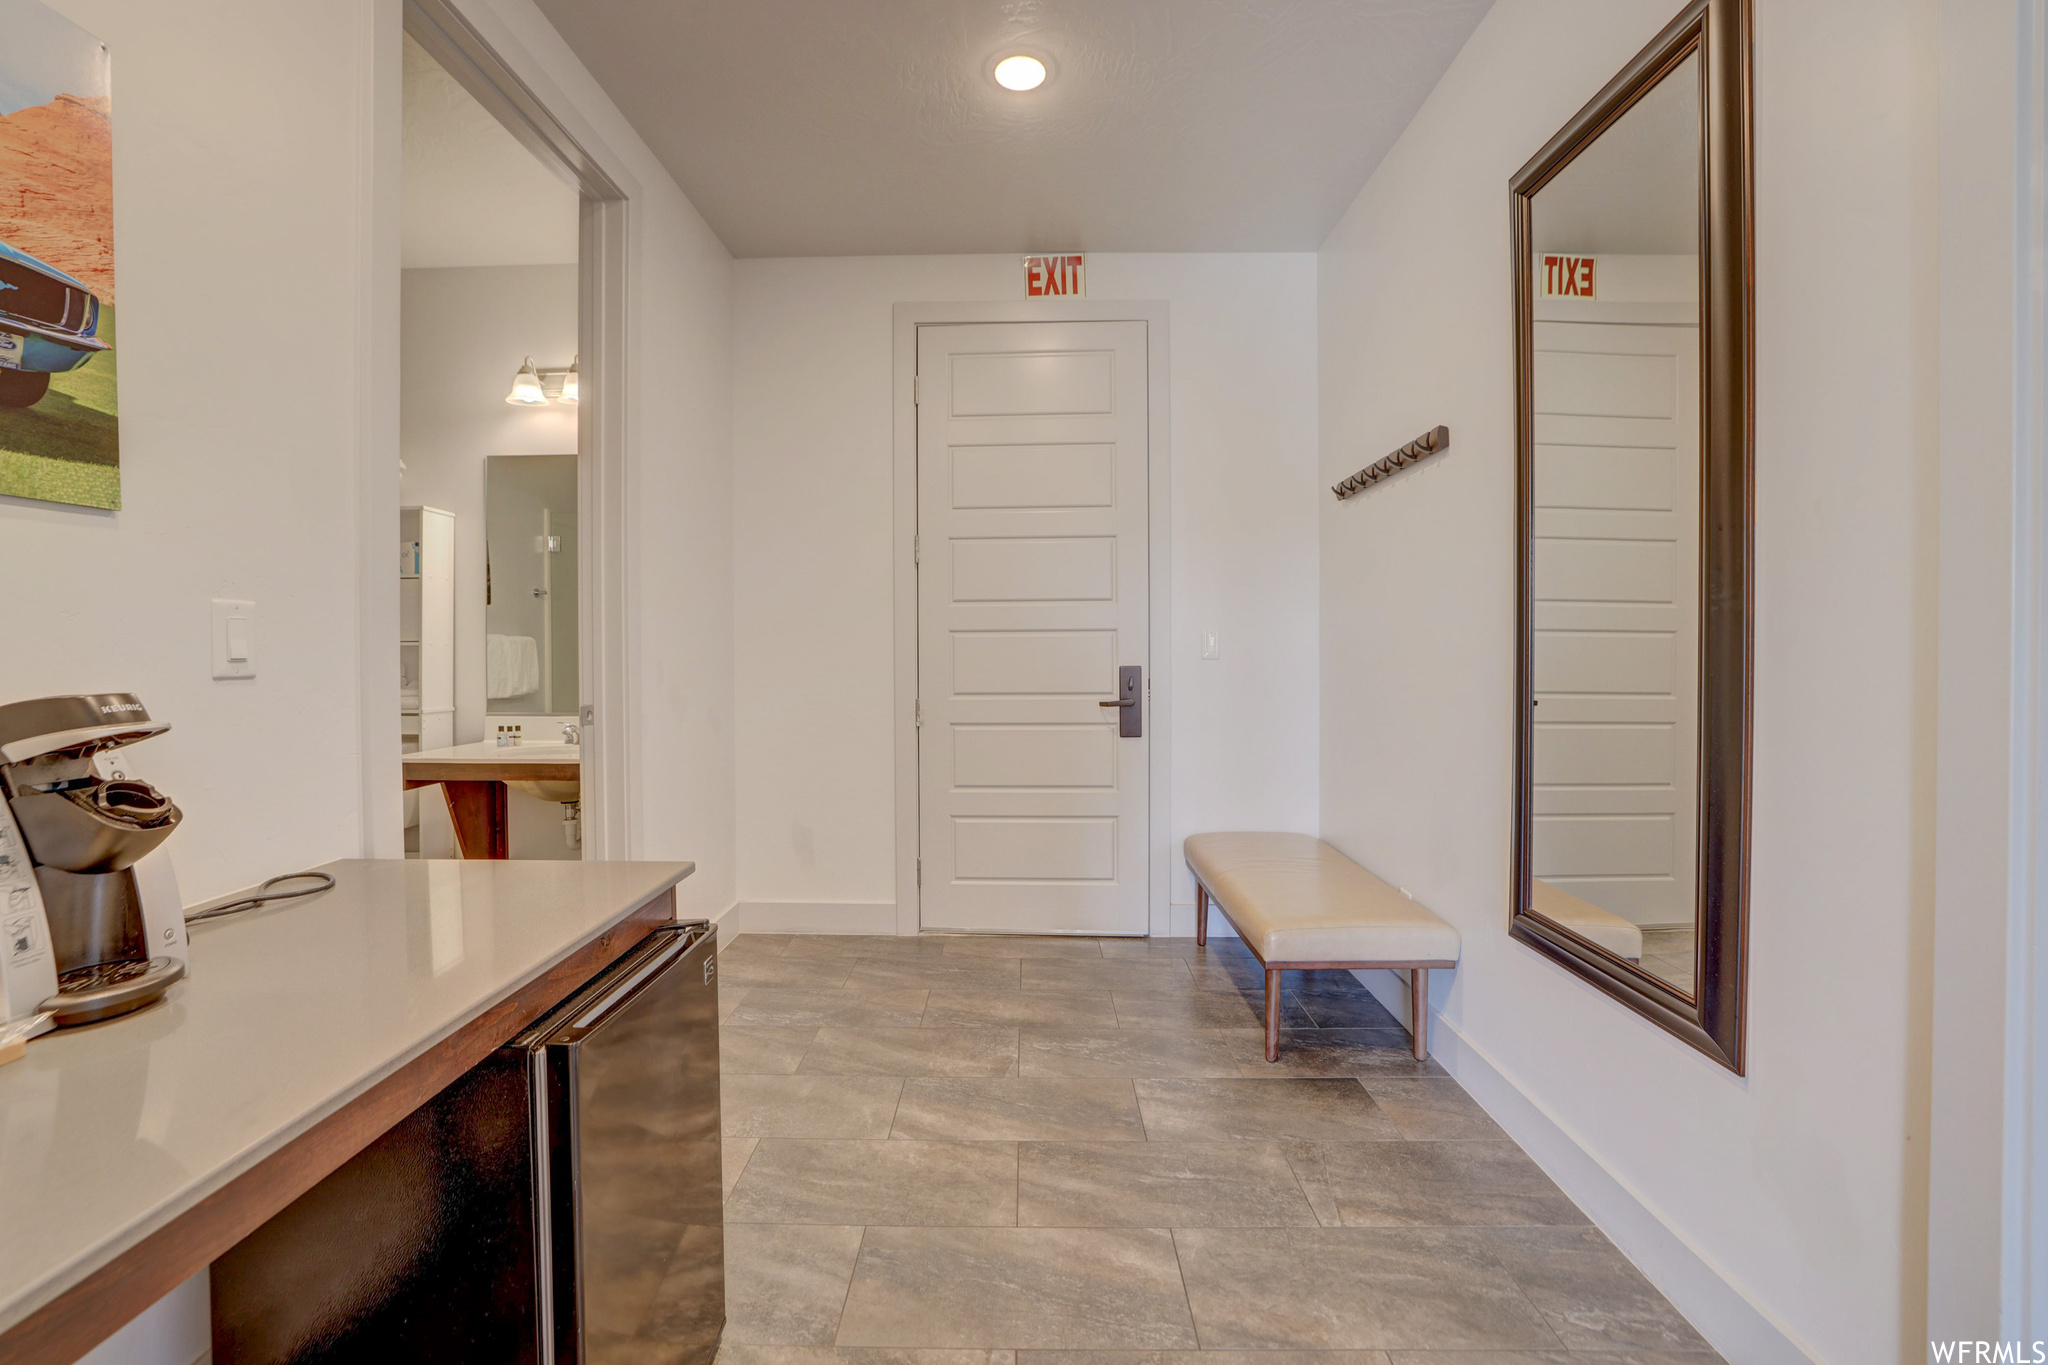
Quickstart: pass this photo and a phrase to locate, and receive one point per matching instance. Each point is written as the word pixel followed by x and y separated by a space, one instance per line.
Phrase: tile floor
pixel 1669 955
pixel 1000 1151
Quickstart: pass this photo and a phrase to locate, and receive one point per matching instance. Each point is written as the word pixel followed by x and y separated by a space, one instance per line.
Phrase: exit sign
pixel 1569 277
pixel 1048 277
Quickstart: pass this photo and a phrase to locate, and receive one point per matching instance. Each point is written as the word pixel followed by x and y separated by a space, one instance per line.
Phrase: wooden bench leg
pixel 1201 915
pixel 1418 1011
pixel 1272 1014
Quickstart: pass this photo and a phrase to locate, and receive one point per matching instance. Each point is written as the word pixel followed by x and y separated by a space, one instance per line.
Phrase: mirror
pixel 530 590
pixel 1632 348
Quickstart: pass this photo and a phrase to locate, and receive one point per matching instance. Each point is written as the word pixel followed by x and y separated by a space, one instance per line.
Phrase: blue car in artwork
pixel 49 323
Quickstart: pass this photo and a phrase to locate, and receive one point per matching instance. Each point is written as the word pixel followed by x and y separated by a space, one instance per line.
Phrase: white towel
pixel 511 666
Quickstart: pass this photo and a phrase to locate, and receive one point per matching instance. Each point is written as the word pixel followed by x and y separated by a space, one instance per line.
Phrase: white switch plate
pixel 234 632
pixel 1212 646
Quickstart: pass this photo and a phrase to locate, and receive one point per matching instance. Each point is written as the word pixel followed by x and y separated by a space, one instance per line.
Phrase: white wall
pixel 812 514
pixel 466 331
pixel 1800 1184
pixel 257 144
pixel 678 600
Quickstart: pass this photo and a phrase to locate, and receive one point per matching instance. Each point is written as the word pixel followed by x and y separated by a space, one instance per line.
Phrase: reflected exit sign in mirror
pixel 1047 277
pixel 1568 277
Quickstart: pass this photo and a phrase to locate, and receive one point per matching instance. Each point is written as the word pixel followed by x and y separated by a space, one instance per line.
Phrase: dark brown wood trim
pixel 89 1312
pixel 1712 1019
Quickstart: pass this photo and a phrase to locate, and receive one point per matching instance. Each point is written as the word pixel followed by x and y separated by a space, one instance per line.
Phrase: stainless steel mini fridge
pixel 624 1080
pixel 560 1202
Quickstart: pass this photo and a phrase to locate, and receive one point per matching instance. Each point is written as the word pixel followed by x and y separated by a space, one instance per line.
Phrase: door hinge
pixel 916 390
pixel 917 713
pixel 920 872
pixel 917 549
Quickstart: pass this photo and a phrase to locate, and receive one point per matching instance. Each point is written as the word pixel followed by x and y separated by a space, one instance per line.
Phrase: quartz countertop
pixel 110 1131
pixel 487 753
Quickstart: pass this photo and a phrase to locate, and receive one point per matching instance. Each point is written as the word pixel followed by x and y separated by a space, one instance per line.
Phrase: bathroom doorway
pixel 502 669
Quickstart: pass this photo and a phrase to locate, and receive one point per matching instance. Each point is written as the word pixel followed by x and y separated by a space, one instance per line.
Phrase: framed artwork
pixel 60 438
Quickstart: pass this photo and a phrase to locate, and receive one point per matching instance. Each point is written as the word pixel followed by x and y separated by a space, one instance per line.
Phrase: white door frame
pixel 1158 667
pixel 487 59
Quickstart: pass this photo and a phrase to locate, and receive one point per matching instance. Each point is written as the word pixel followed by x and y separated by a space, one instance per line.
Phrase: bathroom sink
pixel 552 791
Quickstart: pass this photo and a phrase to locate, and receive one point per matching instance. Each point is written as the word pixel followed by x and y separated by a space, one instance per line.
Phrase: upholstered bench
pixel 1300 904
pixel 1598 927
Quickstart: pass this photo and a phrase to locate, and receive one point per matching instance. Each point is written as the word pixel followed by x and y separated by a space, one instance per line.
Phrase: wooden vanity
pixel 476 777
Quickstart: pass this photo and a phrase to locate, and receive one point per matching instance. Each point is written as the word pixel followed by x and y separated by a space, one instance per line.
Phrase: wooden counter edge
pixel 92 1310
pixel 485 770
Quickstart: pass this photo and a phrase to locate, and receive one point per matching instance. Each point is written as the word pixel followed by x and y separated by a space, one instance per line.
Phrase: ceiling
pixel 473 194
pixel 862 127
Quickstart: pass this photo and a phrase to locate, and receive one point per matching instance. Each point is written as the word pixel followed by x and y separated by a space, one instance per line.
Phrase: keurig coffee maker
pixel 89 908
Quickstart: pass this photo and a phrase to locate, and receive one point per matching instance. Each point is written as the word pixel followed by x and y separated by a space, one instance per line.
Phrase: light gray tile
pixel 1124 1052
pixel 1428 1184
pixel 785 1284
pixel 737 1353
pixel 1549 1358
pixel 1169 1011
pixel 1594 1298
pixel 1311 1109
pixel 1205 1358
pixel 894 1182
pixel 1130 948
pixel 734 1153
pixel 934 973
pixel 1014 1008
pixel 1017 1108
pixel 753 944
pixel 1054 1288
pixel 1357 1288
pixel 912 1052
pixel 1020 946
pixel 808 1106
pixel 799 1009
pixel 786 973
pixel 1348 1009
pixel 1229 972
pixel 757 1051
pixel 843 946
pixel 1432 1110
pixel 1158 1184
pixel 1364 1053
pixel 1164 974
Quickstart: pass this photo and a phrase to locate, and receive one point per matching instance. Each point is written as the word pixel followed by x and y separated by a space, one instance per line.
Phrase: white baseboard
pixel 1181 923
pixel 806 917
pixel 1736 1325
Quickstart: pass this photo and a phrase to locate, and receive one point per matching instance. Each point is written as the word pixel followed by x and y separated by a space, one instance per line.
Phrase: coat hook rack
pixel 1421 448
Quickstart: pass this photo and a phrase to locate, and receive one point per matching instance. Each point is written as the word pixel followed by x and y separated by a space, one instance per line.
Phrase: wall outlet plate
pixel 234 638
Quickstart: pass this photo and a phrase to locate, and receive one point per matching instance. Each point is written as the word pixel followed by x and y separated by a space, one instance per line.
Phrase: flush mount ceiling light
pixel 1020 73
pixel 529 386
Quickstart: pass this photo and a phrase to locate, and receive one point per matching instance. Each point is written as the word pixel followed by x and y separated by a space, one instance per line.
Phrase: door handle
pixel 1130 720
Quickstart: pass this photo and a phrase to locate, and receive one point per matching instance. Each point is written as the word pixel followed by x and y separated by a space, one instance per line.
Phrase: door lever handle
pixel 1116 703
pixel 1130 685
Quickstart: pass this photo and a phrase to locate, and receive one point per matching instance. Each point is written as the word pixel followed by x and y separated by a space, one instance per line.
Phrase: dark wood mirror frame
pixel 1712 1019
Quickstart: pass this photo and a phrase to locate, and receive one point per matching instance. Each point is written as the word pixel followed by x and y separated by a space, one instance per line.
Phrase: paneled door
pixel 1617 550
pixel 1032 509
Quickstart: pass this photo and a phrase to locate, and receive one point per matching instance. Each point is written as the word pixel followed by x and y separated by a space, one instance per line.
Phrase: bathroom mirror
pixel 1632 311
pixel 530 590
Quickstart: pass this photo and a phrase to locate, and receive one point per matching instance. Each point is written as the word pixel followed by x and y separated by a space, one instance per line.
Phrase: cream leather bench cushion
pixel 1601 928
pixel 1296 899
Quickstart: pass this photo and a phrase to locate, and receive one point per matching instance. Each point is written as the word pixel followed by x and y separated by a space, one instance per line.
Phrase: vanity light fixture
pixel 1020 73
pixel 526 389
pixel 530 385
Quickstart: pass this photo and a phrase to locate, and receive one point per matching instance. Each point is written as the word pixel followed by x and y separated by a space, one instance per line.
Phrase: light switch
pixel 234 638
pixel 1212 645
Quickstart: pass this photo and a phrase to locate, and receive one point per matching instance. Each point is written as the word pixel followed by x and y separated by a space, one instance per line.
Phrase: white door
pixel 1616 589
pixel 1032 457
